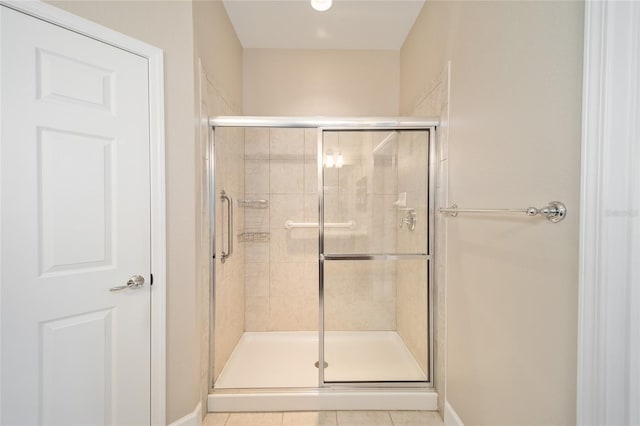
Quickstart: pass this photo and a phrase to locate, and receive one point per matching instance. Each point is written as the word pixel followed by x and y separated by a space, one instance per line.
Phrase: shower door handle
pixel 225 255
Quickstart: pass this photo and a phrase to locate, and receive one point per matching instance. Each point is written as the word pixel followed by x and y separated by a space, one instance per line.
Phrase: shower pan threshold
pixel 325 399
pixel 274 371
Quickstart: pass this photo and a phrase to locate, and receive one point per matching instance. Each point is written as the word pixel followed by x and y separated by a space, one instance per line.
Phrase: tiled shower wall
pixel 281 275
pixel 229 276
pixel 412 291
pixel 229 321
pixel 434 102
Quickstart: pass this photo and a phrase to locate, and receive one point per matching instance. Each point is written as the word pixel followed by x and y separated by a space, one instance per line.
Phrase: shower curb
pixel 320 400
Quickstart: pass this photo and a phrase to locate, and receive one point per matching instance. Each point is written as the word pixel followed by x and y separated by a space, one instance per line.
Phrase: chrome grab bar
pixel 351 224
pixel 554 212
pixel 225 256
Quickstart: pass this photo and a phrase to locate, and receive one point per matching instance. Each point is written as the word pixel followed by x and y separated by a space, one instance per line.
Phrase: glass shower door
pixel 375 256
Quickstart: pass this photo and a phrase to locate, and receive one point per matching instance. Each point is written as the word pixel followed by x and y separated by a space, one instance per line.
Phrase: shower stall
pixel 322 260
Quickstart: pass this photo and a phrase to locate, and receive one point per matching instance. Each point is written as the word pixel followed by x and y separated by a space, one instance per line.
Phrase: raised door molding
pixel 609 305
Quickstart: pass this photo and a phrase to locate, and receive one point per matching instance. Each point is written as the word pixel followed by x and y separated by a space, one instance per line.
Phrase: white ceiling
pixel 349 24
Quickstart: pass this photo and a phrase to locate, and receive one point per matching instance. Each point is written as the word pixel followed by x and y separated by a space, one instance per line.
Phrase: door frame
pixel 321 124
pixel 155 60
pixel 429 127
pixel 609 306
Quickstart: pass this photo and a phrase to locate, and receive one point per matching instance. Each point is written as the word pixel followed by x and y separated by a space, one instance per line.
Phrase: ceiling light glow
pixel 321 5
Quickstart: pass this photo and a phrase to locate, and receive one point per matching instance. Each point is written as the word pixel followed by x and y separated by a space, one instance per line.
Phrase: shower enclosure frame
pixel 322 124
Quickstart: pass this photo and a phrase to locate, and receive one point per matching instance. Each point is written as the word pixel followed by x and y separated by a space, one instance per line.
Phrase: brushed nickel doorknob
pixel 135 281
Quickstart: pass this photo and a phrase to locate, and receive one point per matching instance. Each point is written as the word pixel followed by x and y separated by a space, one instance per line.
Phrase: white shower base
pixel 264 364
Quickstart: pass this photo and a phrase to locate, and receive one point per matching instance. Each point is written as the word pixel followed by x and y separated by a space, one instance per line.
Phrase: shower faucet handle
pixel 409 219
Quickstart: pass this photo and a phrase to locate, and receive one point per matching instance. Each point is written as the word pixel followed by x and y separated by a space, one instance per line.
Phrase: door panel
pixel 76 208
pixel 376 259
pixel 77 346
pixel 75 222
pixel 70 80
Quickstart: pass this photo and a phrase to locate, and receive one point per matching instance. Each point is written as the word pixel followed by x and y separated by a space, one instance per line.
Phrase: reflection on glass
pixel 375 181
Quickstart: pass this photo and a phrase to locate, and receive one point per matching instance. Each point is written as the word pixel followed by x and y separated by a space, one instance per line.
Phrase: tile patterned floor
pixel 326 418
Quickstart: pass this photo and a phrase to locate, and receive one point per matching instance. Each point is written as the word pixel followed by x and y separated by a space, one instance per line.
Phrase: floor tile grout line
pixel 390 418
pixel 229 417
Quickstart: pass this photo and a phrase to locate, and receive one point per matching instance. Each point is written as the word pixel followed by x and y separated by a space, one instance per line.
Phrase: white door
pixel 74 222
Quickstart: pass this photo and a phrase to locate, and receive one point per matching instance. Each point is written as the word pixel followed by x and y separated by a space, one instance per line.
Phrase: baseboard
pixel 450 416
pixel 194 418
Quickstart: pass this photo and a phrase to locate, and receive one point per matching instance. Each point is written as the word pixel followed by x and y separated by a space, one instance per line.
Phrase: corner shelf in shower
pixel 253 204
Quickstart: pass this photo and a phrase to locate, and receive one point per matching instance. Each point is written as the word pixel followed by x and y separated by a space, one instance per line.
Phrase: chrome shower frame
pixel 323 124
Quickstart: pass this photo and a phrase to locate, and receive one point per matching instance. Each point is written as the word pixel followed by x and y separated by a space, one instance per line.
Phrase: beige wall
pixel 220 51
pixel 514 141
pixel 321 82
